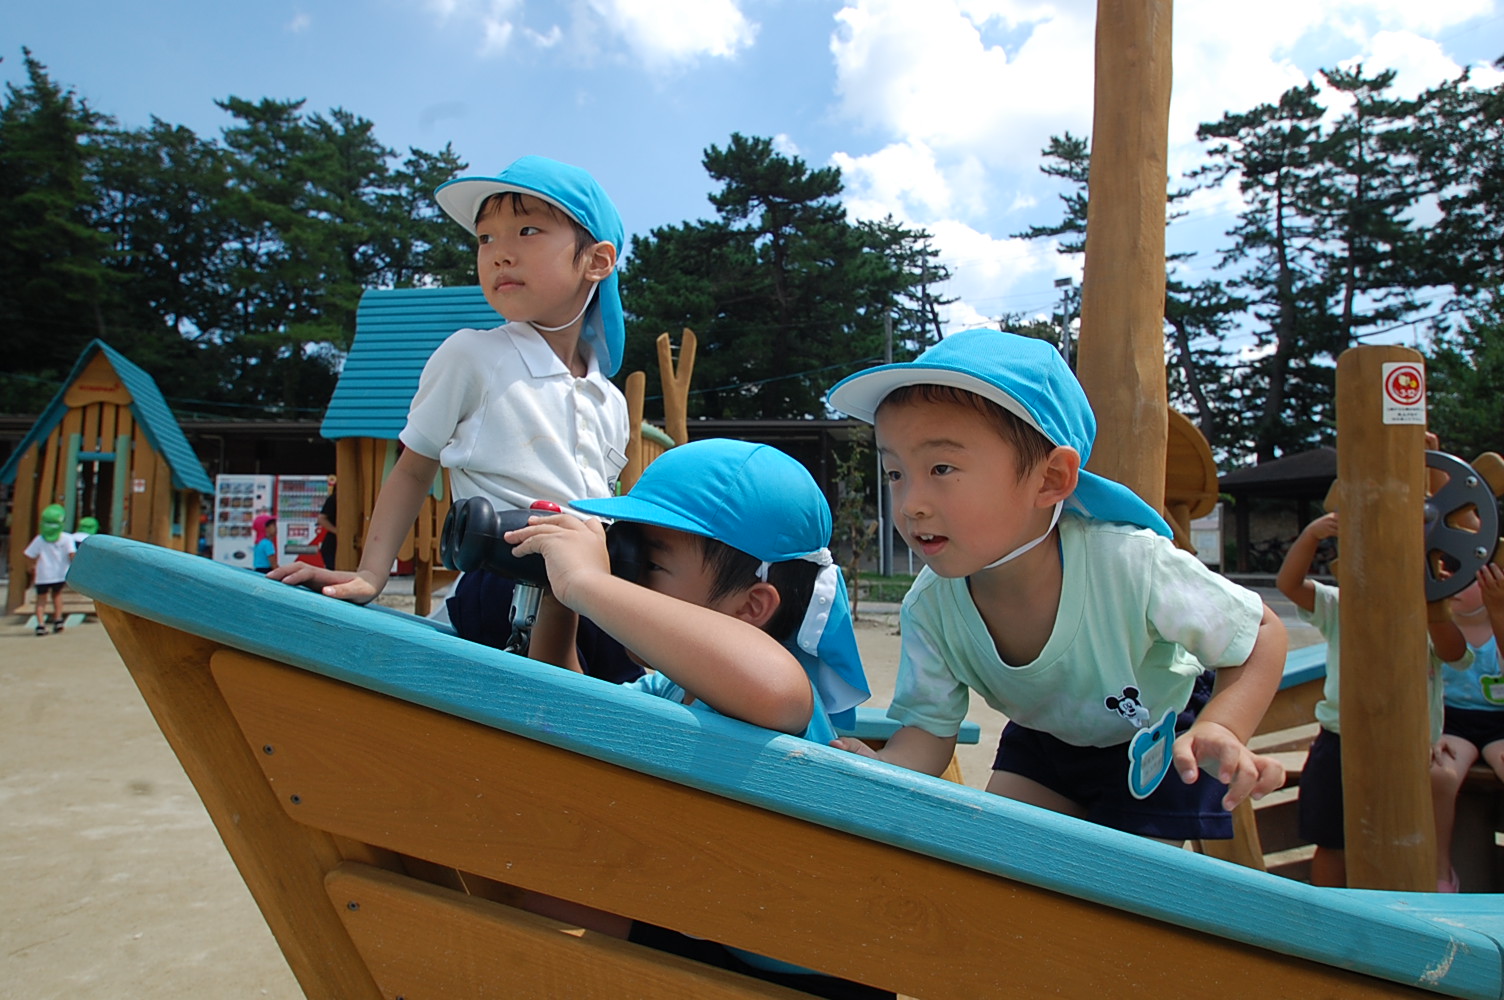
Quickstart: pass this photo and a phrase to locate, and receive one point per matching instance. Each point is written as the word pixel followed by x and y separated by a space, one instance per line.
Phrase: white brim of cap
pixel 861 394
pixel 461 198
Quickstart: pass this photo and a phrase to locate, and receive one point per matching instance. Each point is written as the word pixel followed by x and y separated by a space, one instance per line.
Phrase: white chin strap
pixel 1054 519
pixel 589 298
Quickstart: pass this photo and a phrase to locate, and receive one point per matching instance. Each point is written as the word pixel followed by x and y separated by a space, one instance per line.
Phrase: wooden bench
pixel 385 789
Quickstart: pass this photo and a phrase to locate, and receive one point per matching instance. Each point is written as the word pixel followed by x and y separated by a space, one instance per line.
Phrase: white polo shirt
pixel 505 416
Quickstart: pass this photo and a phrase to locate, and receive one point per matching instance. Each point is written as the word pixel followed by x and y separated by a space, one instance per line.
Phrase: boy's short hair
pixel 583 240
pixel 732 570
pixel 1030 447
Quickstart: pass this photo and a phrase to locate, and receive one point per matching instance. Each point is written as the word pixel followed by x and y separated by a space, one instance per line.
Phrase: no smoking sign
pixel 1404 393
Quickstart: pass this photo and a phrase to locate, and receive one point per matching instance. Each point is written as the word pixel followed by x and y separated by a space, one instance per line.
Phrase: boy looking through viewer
pixel 521 412
pixel 1058 596
pixel 740 611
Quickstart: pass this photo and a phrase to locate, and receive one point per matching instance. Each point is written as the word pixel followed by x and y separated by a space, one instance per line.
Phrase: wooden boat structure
pixel 387 790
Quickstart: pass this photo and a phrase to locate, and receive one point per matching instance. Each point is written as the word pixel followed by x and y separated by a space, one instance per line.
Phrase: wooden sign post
pixel 1384 705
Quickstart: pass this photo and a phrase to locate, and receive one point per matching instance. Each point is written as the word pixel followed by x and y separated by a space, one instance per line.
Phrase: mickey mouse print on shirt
pixel 1149 750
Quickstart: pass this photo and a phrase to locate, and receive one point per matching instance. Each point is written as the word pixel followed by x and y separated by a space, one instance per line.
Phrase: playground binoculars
pixel 472 540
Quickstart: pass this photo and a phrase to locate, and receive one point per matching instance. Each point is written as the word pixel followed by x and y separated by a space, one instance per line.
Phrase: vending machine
pixel 238 499
pixel 299 500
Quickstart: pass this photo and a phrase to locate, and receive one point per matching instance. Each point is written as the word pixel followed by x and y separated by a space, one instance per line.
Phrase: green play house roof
pixel 149 409
pixel 396 329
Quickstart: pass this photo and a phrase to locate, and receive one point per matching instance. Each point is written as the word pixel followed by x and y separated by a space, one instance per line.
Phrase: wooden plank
pixel 421 940
pixel 160 487
pixel 90 428
pixel 283 863
pixel 379 770
pixel 47 491
pixel 25 520
pixel 1291 707
pixel 1121 357
pixel 349 517
pixel 1385 707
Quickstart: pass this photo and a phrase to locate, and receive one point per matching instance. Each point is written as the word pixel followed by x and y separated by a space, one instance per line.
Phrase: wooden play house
pixel 107 446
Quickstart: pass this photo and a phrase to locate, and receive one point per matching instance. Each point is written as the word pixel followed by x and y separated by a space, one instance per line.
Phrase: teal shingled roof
pixel 149 409
pixel 396 329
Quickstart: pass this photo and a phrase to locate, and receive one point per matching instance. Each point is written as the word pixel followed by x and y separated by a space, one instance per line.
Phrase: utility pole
pixel 1067 300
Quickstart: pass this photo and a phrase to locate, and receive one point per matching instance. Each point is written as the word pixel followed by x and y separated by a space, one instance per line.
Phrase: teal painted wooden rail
pixel 1450 945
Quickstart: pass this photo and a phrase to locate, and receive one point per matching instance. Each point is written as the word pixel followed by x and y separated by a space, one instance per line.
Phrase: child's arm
pixel 1446 638
pixel 733 666
pixel 910 747
pixel 1491 588
pixel 1218 740
pixel 554 638
pixel 396 508
pixel 1291 579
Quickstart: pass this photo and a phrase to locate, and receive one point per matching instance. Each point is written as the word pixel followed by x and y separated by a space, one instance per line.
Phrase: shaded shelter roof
pixel 1303 474
pixel 396 329
pixel 147 406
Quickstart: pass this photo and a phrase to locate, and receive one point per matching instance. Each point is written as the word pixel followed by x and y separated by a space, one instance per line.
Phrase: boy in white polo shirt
pixel 521 412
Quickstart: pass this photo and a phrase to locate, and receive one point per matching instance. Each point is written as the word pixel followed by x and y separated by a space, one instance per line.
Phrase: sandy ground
pixel 115 881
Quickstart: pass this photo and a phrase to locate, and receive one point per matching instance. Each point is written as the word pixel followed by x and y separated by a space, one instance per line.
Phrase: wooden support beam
pixel 1384 707
pixel 1121 354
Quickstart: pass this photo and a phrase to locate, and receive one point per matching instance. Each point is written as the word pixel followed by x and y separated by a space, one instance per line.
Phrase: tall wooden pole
pixel 1384 705
pixel 1121 356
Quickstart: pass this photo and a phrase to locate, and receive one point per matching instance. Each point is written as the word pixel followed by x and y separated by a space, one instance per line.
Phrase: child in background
pixel 521 412
pixel 1321 813
pixel 49 554
pixel 87 527
pixel 741 611
pixel 1058 596
pixel 264 554
pixel 1474 699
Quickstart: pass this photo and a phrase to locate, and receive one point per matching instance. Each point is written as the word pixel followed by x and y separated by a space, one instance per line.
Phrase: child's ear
pixel 600 261
pixel 757 604
pixel 1062 468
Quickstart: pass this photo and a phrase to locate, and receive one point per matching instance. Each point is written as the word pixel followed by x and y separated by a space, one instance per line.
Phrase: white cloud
pixel 657 34
pixel 901 179
pixel 992 80
pixel 299 23
pixel 663 33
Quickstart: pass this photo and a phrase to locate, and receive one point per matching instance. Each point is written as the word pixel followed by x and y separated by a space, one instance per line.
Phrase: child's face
pixel 525 262
pixel 676 567
pixel 958 500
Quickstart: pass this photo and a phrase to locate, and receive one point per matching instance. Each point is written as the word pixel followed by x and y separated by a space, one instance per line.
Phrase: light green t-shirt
pixel 1324 616
pixel 1135 612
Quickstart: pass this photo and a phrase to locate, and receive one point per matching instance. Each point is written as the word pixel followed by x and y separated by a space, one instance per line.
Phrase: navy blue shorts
pixel 1321 793
pixel 1479 726
pixel 43 589
pixel 1096 778
pixel 480 610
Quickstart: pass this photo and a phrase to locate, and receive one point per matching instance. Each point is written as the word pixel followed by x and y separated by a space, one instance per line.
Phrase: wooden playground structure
pixel 388 790
pixel 106 446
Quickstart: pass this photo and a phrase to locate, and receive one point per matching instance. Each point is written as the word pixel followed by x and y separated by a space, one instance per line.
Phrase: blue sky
pixel 935 110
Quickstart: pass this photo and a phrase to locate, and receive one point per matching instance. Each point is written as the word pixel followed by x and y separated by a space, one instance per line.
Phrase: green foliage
pixel 54 280
pixel 783 292
pixel 854 525
pixel 1465 376
pixel 231 270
